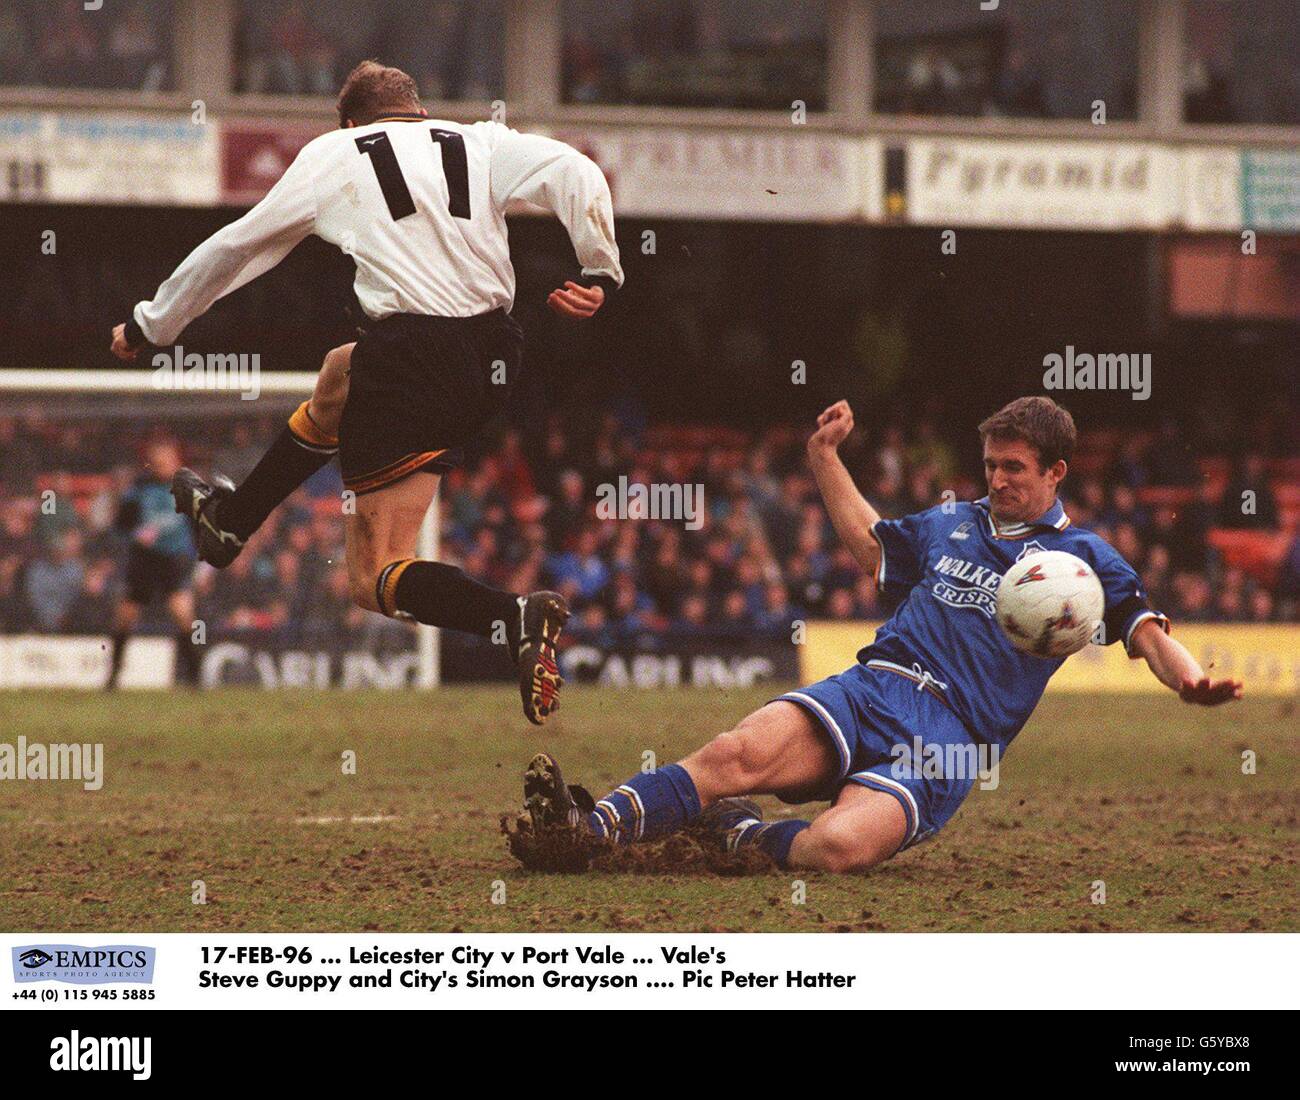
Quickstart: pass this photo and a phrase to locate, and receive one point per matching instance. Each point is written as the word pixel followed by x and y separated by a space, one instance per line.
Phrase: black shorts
pixel 150 574
pixel 420 388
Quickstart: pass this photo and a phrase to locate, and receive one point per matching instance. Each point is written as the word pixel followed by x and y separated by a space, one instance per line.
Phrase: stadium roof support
pixel 1160 63
pixel 851 60
pixel 532 53
pixel 204 48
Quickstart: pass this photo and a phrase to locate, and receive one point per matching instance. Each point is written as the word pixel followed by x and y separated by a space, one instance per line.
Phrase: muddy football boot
pixel 542 617
pixel 198 502
pixel 550 802
pixel 723 823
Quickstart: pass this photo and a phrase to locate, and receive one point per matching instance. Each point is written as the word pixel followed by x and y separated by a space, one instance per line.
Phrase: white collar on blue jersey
pixel 1054 518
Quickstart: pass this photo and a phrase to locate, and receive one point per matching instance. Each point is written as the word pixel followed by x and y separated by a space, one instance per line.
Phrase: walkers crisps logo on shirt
pixel 978 588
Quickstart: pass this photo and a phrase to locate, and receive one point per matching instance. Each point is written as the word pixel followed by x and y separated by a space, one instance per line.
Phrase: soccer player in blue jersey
pixel 159 561
pixel 940 673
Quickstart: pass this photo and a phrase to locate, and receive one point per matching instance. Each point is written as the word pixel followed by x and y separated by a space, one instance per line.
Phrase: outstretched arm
pixel 850 513
pixel 234 255
pixel 1177 669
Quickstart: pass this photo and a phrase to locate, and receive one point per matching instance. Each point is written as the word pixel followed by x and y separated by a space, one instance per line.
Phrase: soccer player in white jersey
pixel 420 206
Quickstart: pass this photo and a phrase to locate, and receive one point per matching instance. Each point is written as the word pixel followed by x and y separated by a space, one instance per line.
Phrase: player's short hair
pixel 1040 422
pixel 372 91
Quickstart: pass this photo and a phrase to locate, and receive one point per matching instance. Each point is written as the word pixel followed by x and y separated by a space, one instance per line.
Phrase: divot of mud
pixel 563 852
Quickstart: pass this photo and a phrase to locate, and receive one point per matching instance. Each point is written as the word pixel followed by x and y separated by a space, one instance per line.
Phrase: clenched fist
pixel 833 428
pixel 120 347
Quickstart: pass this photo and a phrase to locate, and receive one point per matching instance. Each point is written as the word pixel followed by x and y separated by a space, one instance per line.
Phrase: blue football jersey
pixel 148 504
pixel 939 572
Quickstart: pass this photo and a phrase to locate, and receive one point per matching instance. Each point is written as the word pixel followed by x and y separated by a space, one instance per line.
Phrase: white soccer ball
pixel 1050 604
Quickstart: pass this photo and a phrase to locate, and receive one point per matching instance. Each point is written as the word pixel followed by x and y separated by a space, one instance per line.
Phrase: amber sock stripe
pixel 309 434
pixel 386 585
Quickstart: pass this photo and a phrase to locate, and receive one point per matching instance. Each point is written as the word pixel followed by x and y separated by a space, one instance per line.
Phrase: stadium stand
pixel 48 44
pixel 763 555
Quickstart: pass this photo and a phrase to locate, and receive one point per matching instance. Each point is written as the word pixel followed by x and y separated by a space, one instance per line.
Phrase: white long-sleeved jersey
pixel 420 206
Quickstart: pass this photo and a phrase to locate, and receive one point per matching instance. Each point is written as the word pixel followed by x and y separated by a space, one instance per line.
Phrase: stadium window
pixel 453 48
pixel 759 54
pixel 1240 62
pixel 1023 59
pixel 61 44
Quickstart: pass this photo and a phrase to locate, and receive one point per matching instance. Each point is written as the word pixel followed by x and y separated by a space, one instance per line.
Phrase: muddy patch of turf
pixel 244 791
pixel 683 854
pixel 564 851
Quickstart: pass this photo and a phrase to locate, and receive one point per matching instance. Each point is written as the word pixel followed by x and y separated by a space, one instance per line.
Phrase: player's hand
pixel 1209 693
pixel 575 300
pixel 833 427
pixel 121 348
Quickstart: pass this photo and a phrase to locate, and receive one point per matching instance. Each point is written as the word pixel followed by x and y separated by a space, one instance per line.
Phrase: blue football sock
pixel 774 838
pixel 647 806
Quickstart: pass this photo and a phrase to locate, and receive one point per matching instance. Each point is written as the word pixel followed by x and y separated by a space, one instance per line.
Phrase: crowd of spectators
pixel 760 557
pixel 66 44
pixel 62 562
pixel 453 48
pixel 695 53
pixel 1020 61
pixel 1239 62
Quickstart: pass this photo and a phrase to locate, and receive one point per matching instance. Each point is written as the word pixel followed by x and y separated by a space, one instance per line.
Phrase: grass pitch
pixel 246 791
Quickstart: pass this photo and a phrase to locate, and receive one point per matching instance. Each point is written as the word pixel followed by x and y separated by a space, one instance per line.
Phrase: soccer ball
pixel 1049 604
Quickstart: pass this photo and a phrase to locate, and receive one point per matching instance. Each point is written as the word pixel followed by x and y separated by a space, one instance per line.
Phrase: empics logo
pixel 66 962
pixel 105 1054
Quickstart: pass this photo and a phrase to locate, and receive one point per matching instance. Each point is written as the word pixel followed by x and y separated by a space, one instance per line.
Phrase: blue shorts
pixel 874 714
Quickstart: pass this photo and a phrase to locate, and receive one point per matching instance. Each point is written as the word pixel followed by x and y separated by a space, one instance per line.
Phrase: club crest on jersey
pixel 1033 546
pixel 961 531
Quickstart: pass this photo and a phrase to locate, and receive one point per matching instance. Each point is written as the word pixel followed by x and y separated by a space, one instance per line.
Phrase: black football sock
pixel 187 658
pixel 115 663
pixel 438 594
pixel 298 452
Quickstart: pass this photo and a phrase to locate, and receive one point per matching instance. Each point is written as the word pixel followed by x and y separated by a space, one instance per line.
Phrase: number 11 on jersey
pixel 455 169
